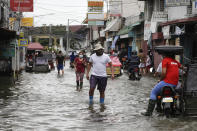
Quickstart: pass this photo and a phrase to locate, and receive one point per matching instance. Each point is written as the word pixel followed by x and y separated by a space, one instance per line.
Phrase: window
pixel 161 5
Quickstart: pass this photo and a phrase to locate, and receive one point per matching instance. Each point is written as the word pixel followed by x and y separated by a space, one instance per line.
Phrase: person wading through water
pixel 60 62
pixel 79 64
pixel 98 77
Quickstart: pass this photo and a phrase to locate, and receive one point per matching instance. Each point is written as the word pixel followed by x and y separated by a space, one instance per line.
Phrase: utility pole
pixel 50 39
pixel 107 8
pixel 67 44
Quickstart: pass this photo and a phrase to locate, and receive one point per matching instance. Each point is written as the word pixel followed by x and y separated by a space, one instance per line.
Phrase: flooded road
pixel 48 102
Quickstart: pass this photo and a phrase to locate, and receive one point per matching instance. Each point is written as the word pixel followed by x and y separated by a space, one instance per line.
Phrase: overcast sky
pixel 58 11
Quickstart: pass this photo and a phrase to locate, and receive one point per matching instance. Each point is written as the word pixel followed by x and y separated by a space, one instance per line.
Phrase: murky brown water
pixel 48 102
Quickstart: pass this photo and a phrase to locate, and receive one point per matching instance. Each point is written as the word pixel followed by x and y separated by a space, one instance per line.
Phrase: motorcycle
pixel 169 102
pixel 134 74
pixel 133 68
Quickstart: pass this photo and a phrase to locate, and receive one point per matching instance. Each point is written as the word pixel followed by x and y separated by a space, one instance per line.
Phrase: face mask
pixel 80 56
pixel 99 52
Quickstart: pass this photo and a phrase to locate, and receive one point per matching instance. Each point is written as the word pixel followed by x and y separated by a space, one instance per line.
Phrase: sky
pixel 58 12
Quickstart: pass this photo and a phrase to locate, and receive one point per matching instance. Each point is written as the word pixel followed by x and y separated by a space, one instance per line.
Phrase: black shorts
pixel 98 80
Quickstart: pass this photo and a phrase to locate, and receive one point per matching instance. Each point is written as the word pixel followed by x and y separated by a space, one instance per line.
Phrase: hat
pixel 98 46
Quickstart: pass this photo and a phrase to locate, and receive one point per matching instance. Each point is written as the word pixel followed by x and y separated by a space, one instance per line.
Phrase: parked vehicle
pixel 41 65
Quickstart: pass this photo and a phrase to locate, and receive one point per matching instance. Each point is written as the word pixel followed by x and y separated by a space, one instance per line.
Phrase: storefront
pixel 7 51
pixel 183 32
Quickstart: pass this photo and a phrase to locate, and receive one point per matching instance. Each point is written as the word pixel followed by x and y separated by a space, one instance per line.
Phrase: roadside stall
pixel 116 66
pixel 40 62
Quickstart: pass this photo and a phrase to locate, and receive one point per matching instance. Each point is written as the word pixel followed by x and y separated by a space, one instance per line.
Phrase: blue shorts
pixel 60 67
pixel 98 80
pixel 157 89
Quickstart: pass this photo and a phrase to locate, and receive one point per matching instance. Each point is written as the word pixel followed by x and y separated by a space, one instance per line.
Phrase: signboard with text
pixel 25 22
pixel 23 42
pixel 95 6
pixel 21 5
pixel 95 16
pixel 171 3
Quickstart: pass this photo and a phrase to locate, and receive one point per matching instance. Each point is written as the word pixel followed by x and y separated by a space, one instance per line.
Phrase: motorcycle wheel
pixel 136 76
pixel 167 112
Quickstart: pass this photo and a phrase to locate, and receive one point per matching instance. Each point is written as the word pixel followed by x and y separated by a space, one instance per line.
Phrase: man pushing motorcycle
pixel 169 77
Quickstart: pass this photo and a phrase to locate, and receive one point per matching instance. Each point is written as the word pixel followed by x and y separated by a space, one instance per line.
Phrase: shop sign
pixel 27 22
pixel 95 6
pixel 101 23
pixel 159 16
pixel 95 16
pixel 21 34
pixel 171 3
pixel 21 5
pixel 23 42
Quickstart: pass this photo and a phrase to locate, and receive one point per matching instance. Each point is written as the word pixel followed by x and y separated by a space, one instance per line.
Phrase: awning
pixel 114 25
pixel 114 42
pixel 35 46
pixel 7 34
pixel 127 29
pixel 185 20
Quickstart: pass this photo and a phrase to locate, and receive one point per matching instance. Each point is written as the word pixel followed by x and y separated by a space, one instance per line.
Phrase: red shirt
pixel 80 65
pixel 172 70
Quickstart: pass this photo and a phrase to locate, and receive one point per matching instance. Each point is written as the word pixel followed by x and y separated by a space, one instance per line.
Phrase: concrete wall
pixel 179 12
pixel 132 7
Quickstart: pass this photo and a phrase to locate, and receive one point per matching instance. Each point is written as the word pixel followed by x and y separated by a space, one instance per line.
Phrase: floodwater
pixel 48 102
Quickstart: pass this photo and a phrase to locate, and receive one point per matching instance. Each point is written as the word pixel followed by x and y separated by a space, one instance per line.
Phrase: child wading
pixel 79 64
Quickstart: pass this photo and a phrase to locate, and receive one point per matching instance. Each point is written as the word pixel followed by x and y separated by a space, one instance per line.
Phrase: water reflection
pixel 48 101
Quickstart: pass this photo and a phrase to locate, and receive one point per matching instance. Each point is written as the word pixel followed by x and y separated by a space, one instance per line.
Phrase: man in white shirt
pixel 98 77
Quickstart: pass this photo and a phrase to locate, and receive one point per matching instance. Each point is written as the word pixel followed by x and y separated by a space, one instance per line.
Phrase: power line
pixel 56 10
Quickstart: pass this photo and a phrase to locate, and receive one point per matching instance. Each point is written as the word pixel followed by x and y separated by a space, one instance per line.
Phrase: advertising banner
pixel 115 8
pixel 21 5
pixel 23 42
pixel 27 22
pixel 95 16
pixel 101 23
pixel 95 6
